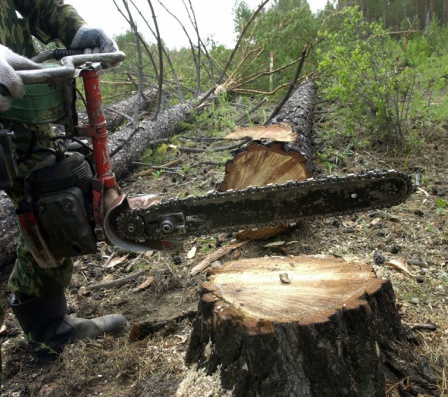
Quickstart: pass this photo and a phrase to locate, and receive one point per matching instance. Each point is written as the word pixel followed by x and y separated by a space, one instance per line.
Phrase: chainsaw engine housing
pixel 60 193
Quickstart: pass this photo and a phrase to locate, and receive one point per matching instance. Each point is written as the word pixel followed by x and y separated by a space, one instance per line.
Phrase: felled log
pixel 306 326
pixel 116 113
pixel 279 152
pixel 129 145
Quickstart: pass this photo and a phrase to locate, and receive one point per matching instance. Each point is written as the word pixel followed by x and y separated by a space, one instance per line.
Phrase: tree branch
pixel 291 86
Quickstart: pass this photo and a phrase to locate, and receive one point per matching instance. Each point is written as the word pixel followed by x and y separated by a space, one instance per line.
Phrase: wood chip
pixel 284 278
pixel 149 254
pixel 274 244
pixel 214 256
pixel 192 253
pixel 107 278
pixel 144 285
pixel 116 261
pixel 78 264
pixel 399 264
pixel 375 221
pixel 236 254
pixel 216 265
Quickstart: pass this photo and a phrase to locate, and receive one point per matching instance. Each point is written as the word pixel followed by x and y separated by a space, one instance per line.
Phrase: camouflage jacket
pixel 47 20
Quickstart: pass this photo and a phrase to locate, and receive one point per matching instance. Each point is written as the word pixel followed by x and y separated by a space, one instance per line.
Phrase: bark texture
pixel 116 113
pixel 133 143
pixel 302 326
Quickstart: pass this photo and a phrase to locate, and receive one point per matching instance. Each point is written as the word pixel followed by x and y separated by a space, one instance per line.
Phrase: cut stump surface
pixel 302 326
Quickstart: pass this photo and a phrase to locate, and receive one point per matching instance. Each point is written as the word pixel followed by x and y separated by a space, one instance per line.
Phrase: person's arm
pixel 51 20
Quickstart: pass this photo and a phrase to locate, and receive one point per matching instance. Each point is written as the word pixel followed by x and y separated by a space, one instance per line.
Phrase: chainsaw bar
pixel 162 225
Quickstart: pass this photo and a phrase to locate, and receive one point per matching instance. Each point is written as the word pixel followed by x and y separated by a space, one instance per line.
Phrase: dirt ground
pixel 413 235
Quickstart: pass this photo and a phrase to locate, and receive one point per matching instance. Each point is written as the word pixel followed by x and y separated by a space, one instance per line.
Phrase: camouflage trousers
pixel 27 278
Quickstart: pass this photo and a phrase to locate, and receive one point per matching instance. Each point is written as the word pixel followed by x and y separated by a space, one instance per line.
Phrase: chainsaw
pixel 73 200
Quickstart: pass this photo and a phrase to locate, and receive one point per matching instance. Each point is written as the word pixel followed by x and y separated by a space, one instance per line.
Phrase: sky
pixel 214 18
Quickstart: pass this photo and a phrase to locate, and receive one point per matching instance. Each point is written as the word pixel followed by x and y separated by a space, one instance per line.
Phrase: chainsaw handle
pixel 70 60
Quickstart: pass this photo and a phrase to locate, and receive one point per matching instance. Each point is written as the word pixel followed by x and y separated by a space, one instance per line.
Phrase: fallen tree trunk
pixel 307 326
pixel 279 152
pixel 127 144
pixel 121 112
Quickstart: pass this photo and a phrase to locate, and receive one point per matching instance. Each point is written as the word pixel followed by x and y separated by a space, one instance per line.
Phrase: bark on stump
pixel 301 326
pixel 279 152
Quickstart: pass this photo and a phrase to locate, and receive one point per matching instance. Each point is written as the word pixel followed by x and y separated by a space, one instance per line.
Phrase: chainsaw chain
pixel 131 224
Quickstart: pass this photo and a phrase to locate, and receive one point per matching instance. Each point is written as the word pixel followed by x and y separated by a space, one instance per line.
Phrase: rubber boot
pixel 48 328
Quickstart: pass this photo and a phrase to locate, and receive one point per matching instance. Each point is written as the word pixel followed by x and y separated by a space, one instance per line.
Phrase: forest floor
pixel 407 244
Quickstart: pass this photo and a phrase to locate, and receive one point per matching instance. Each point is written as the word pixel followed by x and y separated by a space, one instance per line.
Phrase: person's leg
pixel 28 279
pixel 38 293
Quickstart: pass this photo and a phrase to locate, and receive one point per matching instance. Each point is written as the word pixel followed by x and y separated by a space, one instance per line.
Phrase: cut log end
pixel 259 165
pixel 281 132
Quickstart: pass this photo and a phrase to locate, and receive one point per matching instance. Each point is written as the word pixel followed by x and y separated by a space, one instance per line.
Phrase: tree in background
pixel 361 76
pixel 369 73
pixel 283 29
pixel 419 13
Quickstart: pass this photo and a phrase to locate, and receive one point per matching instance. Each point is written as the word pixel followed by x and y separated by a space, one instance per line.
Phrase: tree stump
pixel 302 326
pixel 278 153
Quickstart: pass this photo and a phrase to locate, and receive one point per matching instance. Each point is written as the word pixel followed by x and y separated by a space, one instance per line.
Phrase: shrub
pixel 363 78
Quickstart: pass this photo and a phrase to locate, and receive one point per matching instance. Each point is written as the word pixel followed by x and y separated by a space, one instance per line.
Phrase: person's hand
pixel 11 85
pixel 93 40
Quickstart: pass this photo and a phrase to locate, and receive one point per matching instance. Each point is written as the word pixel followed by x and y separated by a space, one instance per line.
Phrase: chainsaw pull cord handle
pixel 70 59
pixel 56 54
